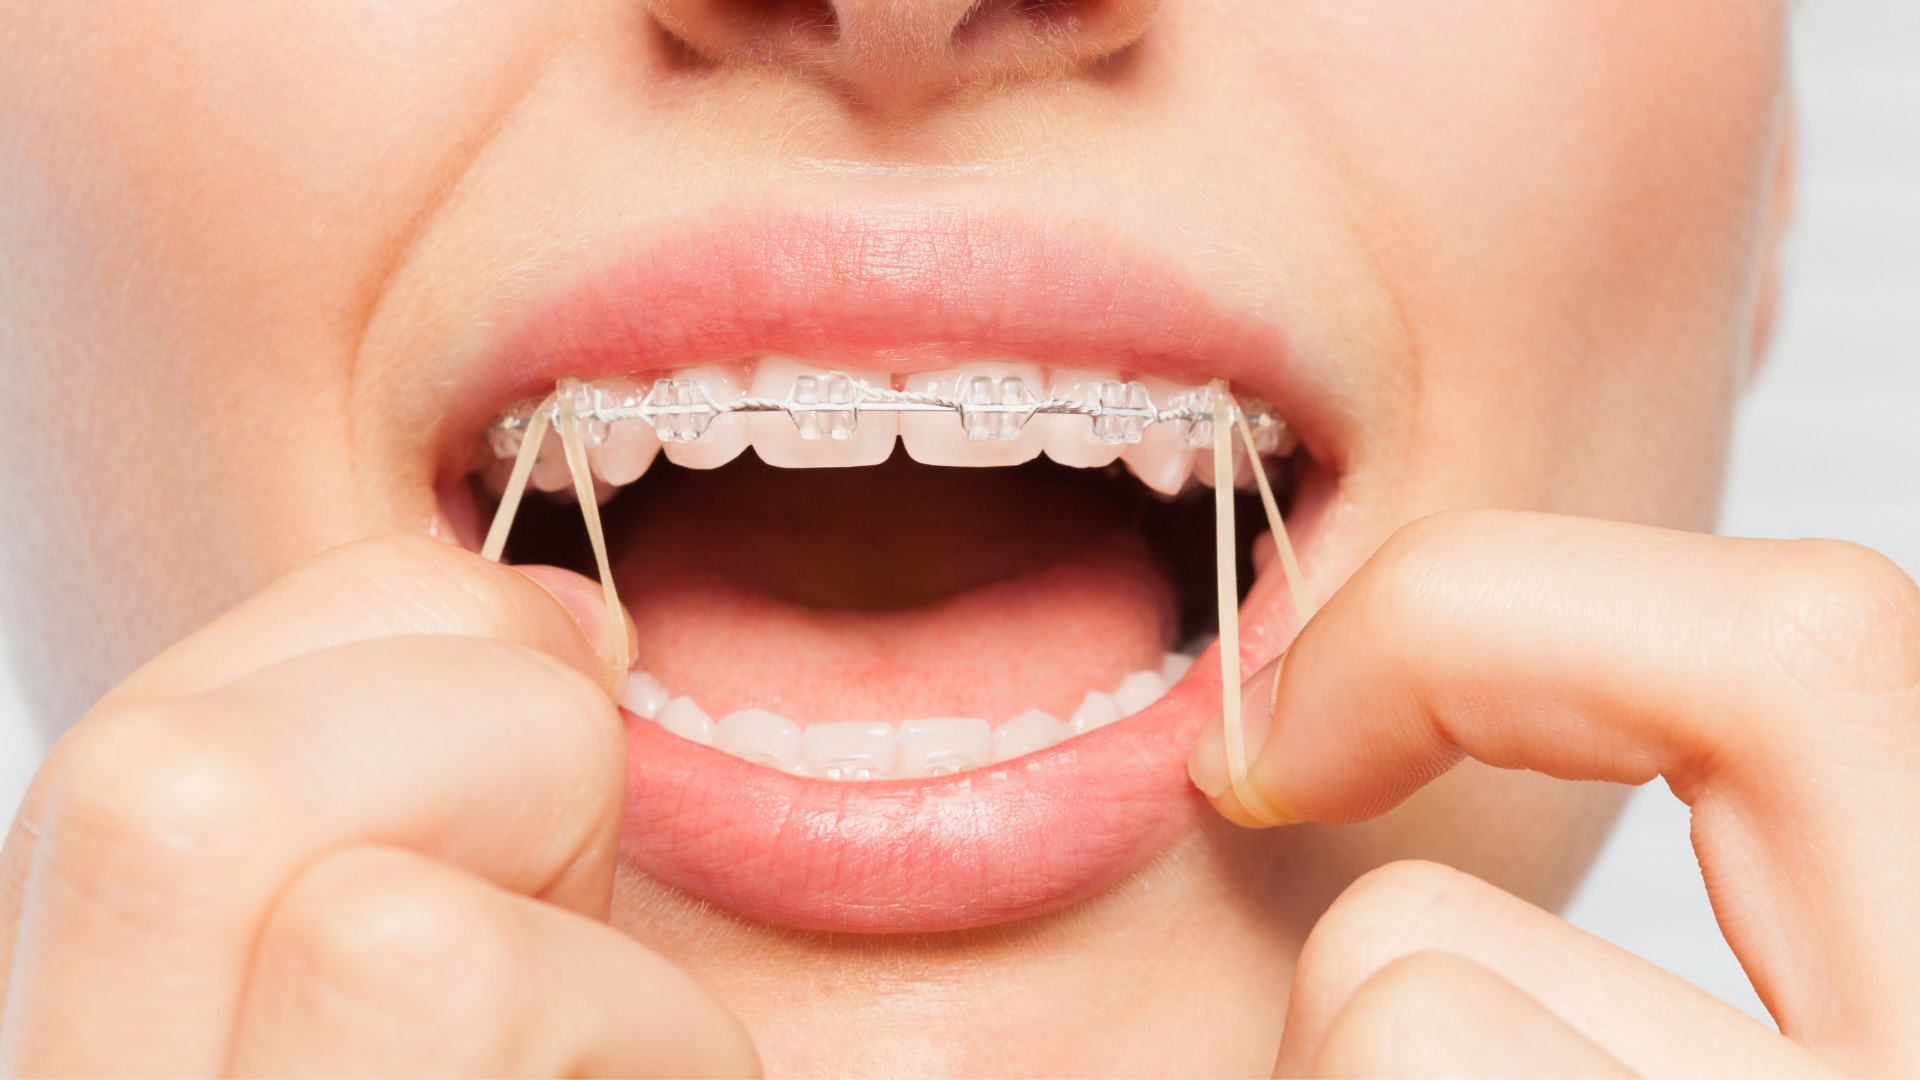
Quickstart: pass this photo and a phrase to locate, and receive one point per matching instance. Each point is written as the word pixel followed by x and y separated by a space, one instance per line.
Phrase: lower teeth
pixel 872 750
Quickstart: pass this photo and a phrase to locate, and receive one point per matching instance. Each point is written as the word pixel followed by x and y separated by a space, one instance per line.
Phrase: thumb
pixel 386 587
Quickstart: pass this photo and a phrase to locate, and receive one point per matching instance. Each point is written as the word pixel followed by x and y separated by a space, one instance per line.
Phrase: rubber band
pixel 1227 579
pixel 568 421
pixel 1303 605
pixel 496 543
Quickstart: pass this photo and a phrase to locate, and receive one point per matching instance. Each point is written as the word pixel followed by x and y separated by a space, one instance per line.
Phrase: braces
pixel 829 406
pixel 990 409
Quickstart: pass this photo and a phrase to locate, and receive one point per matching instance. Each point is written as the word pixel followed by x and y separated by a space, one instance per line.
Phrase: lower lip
pixel 979 847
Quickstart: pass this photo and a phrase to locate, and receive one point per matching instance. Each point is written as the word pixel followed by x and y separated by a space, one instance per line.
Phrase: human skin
pixel 1526 250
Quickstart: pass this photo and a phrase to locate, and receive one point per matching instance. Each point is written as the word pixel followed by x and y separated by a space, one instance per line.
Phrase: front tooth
pixel 727 436
pixel 1139 690
pixel 849 751
pixel 1097 710
pixel 1173 667
pixel 1162 458
pixel 687 720
pixel 759 736
pixel 644 696
pixel 821 437
pixel 1070 439
pixel 974 438
pixel 941 745
pixel 1030 731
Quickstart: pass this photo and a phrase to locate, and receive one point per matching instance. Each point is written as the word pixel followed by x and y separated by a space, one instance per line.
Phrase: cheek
pixel 1565 202
pixel 203 198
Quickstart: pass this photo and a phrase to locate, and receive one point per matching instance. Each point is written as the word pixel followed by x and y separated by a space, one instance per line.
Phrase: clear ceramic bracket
pixel 829 406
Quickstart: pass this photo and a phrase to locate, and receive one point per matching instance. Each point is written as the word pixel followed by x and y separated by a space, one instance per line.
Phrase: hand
pixel 366 822
pixel 1776 687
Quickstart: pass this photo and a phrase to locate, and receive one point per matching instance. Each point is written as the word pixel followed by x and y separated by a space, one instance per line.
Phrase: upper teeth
pixel 799 416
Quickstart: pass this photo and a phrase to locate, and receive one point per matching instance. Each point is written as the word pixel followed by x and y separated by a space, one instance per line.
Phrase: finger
pixel 169 828
pixel 1653 1022
pixel 368 589
pixel 1776 685
pixel 384 587
pixel 1437 1014
pixel 382 962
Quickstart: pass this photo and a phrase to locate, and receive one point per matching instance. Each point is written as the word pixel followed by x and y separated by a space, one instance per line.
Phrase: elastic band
pixel 517 481
pixel 1227 577
pixel 569 424
pixel 1303 605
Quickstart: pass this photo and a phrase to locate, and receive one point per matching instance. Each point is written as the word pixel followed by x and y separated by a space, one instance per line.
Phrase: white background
pixel 1829 441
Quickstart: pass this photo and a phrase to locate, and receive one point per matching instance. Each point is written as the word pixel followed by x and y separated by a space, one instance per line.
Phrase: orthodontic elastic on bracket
pixel 829 405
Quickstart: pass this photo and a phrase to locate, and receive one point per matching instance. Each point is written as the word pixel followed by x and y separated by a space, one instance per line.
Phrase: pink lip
pixel 901 288
pixel 971 849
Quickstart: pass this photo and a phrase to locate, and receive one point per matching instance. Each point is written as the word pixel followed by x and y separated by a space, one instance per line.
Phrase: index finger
pixel 1776 685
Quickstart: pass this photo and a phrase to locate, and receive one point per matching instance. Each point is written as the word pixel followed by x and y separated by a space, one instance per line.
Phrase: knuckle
pixel 388 931
pixel 156 788
pixel 462 592
pixel 1378 906
pixel 1837 618
pixel 1412 577
pixel 1407 1007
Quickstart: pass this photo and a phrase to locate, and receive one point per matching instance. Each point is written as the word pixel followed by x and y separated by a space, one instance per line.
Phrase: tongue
pixel 888 593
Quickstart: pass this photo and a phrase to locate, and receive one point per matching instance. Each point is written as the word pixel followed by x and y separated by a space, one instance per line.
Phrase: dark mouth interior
pixel 901 535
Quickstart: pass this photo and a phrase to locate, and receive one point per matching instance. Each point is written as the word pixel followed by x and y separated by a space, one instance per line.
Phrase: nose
pixel 898 55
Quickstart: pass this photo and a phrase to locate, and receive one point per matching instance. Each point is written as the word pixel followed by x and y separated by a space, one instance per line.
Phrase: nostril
pixel 720 29
pixel 987 16
pixel 897 56
pixel 813 20
pixel 1074 31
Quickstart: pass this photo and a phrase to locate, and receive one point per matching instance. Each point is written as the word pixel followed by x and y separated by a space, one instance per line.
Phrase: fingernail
pixel 583 600
pixel 1207 762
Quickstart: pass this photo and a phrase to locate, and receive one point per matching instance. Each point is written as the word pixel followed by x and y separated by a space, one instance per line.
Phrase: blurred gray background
pixel 1828 444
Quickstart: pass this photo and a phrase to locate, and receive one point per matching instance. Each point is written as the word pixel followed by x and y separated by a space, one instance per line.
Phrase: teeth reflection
pixel 759 736
pixel 849 751
pixel 1030 731
pixel 943 745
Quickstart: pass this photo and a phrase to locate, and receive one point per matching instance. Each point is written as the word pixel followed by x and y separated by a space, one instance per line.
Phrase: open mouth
pixel 918 637
pixel 812 598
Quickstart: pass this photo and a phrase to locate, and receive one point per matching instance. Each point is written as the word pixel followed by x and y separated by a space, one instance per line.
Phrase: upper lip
pixel 887 287
pixel 901 287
